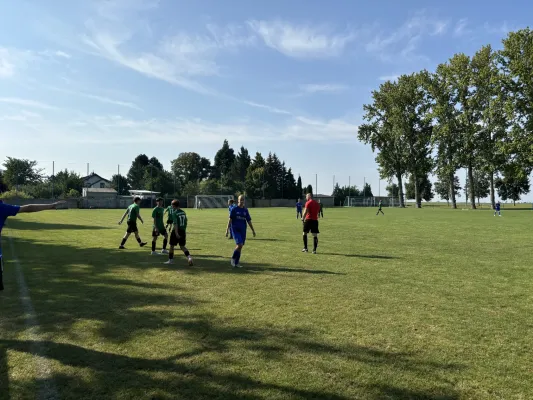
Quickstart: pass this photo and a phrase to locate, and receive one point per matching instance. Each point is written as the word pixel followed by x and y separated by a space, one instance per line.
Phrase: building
pixel 99 198
pixel 326 200
pixel 95 181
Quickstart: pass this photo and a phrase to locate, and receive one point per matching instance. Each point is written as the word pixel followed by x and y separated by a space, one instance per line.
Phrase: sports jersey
pixel 497 206
pixel 157 214
pixel 299 206
pixel 179 219
pixel 239 217
pixel 133 212
pixel 313 208
pixel 380 204
pixel 170 211
pixel 231 208
pixel 6 210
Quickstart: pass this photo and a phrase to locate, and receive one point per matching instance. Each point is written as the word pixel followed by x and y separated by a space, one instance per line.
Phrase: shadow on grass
pixel 373 256
pixel 213 357
pixel 15 223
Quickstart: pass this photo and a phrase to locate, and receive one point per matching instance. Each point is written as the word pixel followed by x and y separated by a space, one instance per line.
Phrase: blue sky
pixel 101 81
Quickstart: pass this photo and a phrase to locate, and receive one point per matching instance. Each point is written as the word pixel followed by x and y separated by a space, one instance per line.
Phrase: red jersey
pixel 313 209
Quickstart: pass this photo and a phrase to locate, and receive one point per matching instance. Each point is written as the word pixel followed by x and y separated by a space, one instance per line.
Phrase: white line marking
pixel 47 388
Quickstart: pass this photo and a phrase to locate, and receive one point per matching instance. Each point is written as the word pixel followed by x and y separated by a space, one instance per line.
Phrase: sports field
pixel 418 304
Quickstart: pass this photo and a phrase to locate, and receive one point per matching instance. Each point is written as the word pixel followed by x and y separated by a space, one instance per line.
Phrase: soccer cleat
pixel 121 247
pixel 189 260
pixel 143 244
pixel 164 251
pixel 153 253
pixel 169 262
pixel 233 263
pixel 238 266
pixel 305 250
pixel 314 251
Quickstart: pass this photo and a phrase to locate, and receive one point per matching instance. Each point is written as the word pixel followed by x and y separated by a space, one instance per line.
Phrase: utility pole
pixel 316 184
pixel 118 179
pixel 53 176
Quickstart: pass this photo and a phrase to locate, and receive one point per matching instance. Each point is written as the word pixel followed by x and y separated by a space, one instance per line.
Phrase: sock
pixel 171 255
pixel 165 242
pixel 234 256
pixel 139 240
pixel 123 242
pixel 153 246
pixel 238 257
pixel 315 243
pixel 305 241
pixel 187 254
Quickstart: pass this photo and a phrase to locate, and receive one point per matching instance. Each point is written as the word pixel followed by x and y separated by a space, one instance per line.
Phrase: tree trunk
pixel 492 194
pixel 471 188
pixel 400 190
pixel 452 191
pixel 417 192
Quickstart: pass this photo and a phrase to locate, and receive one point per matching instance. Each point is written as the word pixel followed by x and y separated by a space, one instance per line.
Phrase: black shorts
pixel 182 241
pixel 159 232
pixel 132 227
pixel 311 225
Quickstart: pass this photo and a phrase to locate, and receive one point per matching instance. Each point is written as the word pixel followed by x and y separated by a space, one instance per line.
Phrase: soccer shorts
pixel 311 225
pixel 132 227
pixel 174 241
pixel 160 231
pixel 239 237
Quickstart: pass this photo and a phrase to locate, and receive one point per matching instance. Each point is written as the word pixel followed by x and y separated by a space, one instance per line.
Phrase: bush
pixel 73 193
pixel 14 194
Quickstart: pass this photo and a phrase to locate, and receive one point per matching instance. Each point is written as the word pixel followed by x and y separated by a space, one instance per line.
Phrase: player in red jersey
pixel 310 220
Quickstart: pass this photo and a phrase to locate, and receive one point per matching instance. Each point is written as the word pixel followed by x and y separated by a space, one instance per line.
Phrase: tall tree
pixel 255 177
pixel 392 190
pixel 21 172
pixel 367 190
pixel 480 185
pixel 137 171
pixel 224 159
pixel 3 186
pixel 445 136
pixel 241 165
pixel 190 167
pixel 120 184
pixel 424 186
pixel 442 188
pixel 309 189
pixel 66 180
pixel 291 186
pixel 513 184
pixel 299 186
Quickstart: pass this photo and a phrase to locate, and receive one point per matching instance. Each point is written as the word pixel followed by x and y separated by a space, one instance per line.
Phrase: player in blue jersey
pixel 7 210
pixel 299 209
pixel 238 220
pixel 497 209
pixel 231 205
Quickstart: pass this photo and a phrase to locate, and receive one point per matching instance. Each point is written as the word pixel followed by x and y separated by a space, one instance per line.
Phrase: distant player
pixel 159 227
pixel 169 210
pixel 321 208
pixel 239 218
pixel 310 220
pixel 497 209
pixel 380 205
pixel 299 207
pixel 6 211
pixel 179 233
pixel 231 205
pixel 133 212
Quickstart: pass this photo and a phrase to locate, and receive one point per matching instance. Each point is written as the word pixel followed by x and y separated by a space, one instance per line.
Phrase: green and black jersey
pixel 170 211
pixel 133 212
pixel 179 219
pixel 157 215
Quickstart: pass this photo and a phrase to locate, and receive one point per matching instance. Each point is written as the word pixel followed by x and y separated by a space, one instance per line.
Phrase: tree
pixel 299 186
pixel 424 188
pixel 64 181
pixel 442 188
pixel 255 177
pixel 21 172
pixel 120 184
pixel 209 186
pixel 341 193
pixel 513 184
pixel 309 189
pixel 392 190
pixel 291 188
pixel 224 160
pixel 480 185
pixel 137 171
pixel 367 190
pixel 190 167
pixel 241 165
pixel 3 186
pixel 191 188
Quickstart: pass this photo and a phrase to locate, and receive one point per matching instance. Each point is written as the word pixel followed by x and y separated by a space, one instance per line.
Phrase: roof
pixel 95 175
pixel 143 192
pixel 100 190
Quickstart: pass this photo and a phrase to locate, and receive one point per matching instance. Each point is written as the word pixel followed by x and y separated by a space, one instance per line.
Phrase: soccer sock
pixel 305 241
pixel 236 254
pixel 238 257
pixel 186 252
pixel 165 242
pixel 171 255
pixel 315 243
pixel 123 242
pixel 139 240
pixel 153 245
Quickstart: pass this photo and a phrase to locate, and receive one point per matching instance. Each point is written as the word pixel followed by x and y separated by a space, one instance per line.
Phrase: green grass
pixel 419 304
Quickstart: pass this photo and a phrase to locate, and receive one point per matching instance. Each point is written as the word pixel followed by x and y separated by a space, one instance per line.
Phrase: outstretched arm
pixel 30 208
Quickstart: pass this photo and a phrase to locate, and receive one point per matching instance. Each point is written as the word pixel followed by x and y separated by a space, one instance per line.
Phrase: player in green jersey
pixel 179 233
pixel 379 209
pixel 169 210
pixel 133 212
pixel 159 226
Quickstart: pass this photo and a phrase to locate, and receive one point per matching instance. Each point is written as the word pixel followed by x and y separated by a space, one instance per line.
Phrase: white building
pixel 95 181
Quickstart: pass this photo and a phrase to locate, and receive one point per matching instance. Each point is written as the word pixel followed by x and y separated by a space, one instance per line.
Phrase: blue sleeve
pixel 232 213
pixel 7 210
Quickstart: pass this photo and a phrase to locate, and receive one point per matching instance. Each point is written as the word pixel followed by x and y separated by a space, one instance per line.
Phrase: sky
pixel 99 82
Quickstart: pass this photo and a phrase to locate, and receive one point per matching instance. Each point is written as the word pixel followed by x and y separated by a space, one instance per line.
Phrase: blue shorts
pixel 240 237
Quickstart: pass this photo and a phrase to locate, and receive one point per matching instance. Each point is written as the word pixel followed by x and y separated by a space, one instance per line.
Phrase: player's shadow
pixel 372 256
pixel 37 226
pixel 266 239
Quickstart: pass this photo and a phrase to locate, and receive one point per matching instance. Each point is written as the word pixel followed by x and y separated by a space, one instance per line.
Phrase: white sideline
pixel 47 389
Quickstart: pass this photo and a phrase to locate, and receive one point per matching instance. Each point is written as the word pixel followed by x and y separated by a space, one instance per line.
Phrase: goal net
pixel 360 202
pixel 212 201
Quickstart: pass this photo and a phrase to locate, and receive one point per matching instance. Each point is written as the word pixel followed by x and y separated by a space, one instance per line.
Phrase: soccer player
pixel 169 210
pixel 239 218
pixel 497 209
pixel 133 212
pixel 179 233
pixel 6 211
pixel 321 208
pixel 310 220
pixel 298 209
pixel 231 205
pixel 379 209
pixel 159 226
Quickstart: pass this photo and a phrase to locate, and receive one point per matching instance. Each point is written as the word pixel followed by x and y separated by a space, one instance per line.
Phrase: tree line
pixel 189 174
pixel 473 112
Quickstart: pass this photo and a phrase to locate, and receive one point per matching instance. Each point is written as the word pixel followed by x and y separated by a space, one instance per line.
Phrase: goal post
pixel 212 201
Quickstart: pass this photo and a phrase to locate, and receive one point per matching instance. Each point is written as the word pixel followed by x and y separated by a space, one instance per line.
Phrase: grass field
pixel 419 304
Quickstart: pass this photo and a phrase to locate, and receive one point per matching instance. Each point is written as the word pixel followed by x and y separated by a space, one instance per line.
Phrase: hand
pixel 227 233
pixel 120 222
pixel 253 233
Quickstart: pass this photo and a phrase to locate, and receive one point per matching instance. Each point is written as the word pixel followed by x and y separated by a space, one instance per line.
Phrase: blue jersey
pixel 231 208
pixel 6 211
pixel 497 206
pixel 239 218
pixel 299 206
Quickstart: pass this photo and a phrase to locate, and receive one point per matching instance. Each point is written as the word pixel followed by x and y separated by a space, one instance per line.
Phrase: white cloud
pixel 461 28
pixel 101 99
pixel 301 41
pixel 323 87
pixel 499 29
pixel 12 60
pixel 26 103
pixel 391 78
